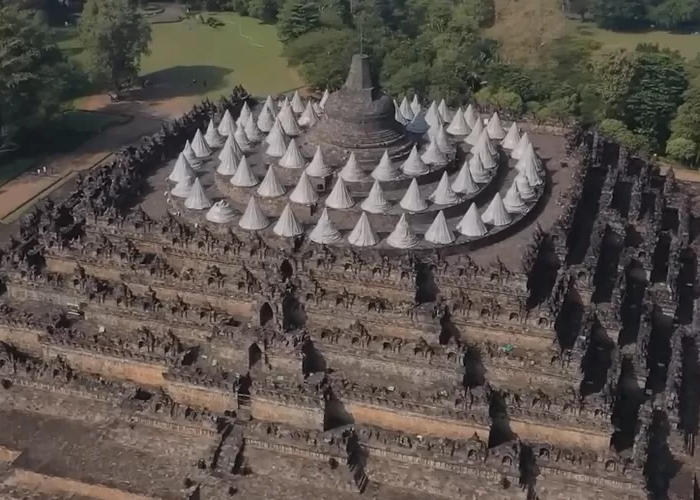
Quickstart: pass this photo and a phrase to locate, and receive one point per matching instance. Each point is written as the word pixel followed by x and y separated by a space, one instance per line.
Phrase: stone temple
pixel 354 298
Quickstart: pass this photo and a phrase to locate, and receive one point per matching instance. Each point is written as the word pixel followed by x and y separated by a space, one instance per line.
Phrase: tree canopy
pixel 115 35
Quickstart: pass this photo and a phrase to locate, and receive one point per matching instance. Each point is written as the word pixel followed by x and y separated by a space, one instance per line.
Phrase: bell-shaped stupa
pixel 439 233
pixel 287 225
pixel 402 236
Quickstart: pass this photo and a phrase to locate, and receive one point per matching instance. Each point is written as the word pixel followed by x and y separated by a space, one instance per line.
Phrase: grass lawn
pixel 64 133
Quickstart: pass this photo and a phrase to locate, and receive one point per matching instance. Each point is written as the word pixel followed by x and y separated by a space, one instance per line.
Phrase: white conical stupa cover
pixel 496 213
pixel 376 202
pixel 415 105
pixel 385 169
pixel 227 125
pixel 197 199
pixel 212 136
pixel 513 202
pixel 418 125
pixel 495 128
pixel 432 115
pixel 521 146
pixel 228 161
pixel 433 155
pixel 287 225
pixel 191 156
pixel 324 98
pixel 398 116
pixel 181 170
pixel 242 140
pixel 412 200
pixel 479 173
pixel 524 188
pixel 308 118
pixel 276 132
pixel 244 176
pixel 471 224
pixel 402 236
pixel 362 235
pixel 474 135
pixel 458 125
pixel 221 213
pixel 340 197
pixel 253 218
pixel 444 112
pixel 482 151
pixel 471 116
pixel 443 194
pixel 304 192
pixel 251 129
pixel 270 187
pixel 292 157
pixel 406 110
pixel 200 146
pixel 414 166
pixel 245 113
pixel 297 103
pixel 512 137
pixel 527 165
pixel 284 103
pixel 529 157
pixel 318 167
pixel 325 232
pixel 464 183
pixel 270 105
pixel 276 146
pixel 183 188
pixel 352 172
pixel 442 141
pixel 289 121
pixel 231 149
pixel 265 120
pixel 317 109
pixel 439 233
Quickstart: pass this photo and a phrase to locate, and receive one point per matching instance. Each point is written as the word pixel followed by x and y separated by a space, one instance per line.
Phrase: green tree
pixel 617 131
pixel 674 14
pixel 32 74
pixel 620 14
pixel 115 36
pixel 683 150
pixel 265 10
pixel 508 102
pixel 296 18
pixel 686 124
pixel 613 72
pixel 323 56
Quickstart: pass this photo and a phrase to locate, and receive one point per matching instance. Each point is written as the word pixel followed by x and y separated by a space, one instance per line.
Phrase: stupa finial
pixel 359 76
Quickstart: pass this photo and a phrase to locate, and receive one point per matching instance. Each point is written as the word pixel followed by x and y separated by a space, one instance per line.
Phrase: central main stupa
pixel 358 118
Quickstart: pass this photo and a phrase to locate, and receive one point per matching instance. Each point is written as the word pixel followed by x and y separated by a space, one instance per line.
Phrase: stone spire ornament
pixel 495 128
pixel 197 199
pixel 521 146
pixel 444 111
pixel 289 122
pixel 253 218
pixel 402 236
pixel 412 200
pixel 287 225
pixel 405 109
pixel 324 99
pixel 304 192
pixel 464 183
pixel 292 157
pixel 496 213
pixel 471 224
pixel 181 170
pixel 270 187
pixel 512 137
pixel 191 156
pixel 415 105
pixel 479 173
pixel 385 169
pixel 308 118
pixel 443 194
pixel 474 135
pixel 220 213
pixel 265 120
pixel 362 235
pixel 376 202
pixel 212 136
pixel 325 232
pixel 513 202
pixel 227 125
pixel 352 172
pixel 244 176
pixel 458 126
pixel 251 129
pixel 439 233
pixel 183 188
pixel 414 166
pixel 200 146
pixel 318 167
pixel 276 145
pixel 297 103
pixel 524 188
pixel 471 117
pixel 340 197
pixel 433 155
